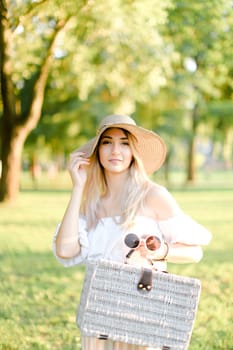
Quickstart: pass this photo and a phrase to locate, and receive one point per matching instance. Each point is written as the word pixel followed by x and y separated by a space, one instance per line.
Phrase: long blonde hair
pixel 133 192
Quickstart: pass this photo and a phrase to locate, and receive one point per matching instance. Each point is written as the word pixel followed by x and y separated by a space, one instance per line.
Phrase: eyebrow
pixel 110 137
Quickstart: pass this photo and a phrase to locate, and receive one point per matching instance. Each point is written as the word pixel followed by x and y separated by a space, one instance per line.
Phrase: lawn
pixel 39 297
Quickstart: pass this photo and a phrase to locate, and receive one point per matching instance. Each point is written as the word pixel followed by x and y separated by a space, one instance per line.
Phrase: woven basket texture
pixel 112 307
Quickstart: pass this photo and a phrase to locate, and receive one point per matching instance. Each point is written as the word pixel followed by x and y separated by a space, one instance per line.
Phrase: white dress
pixel 106 241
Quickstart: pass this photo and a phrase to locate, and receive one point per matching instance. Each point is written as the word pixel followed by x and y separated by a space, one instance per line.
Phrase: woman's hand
pixel 77 168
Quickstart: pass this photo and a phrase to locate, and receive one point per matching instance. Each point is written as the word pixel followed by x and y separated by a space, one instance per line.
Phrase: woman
pixel 113 196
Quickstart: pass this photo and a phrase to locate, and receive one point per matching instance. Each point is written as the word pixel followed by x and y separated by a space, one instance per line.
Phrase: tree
pixel 20 112
pixel 200 32
pixel 219 118
pixel 112 42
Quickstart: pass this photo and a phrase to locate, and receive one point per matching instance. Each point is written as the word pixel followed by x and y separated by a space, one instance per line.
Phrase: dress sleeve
pixel 84 243
pixel 181 228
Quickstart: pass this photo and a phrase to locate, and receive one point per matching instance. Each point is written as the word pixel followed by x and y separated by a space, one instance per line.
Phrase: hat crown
pixel 115 119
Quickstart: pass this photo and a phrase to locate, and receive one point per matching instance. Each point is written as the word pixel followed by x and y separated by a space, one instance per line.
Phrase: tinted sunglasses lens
pixel 153 243
pixel 131 240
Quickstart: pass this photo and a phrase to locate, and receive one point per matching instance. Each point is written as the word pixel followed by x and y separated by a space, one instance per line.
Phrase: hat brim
pixel 151 147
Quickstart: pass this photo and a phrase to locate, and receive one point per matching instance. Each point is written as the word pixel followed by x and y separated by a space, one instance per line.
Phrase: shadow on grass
pixel 39 299
pixel 27 263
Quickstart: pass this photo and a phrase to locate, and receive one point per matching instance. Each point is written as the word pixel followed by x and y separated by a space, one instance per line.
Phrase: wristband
pixel 167 250
pixel 165 254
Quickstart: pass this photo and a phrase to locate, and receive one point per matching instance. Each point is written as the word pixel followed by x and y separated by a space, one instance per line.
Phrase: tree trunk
pixel 17 125
pixel 227 148
pixel 167 167
pixel 191 164
pixel 12 145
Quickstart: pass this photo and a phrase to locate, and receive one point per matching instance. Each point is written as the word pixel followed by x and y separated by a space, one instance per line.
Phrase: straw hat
pixel 151 147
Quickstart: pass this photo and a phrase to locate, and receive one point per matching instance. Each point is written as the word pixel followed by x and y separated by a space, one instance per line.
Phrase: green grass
pixel 39 297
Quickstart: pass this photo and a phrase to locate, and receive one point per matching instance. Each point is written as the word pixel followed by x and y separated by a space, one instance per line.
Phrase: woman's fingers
pixel 77 160
pixel 77 168
pixel 77 163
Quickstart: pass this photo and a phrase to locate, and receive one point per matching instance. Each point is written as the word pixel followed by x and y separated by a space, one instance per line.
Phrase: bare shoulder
pixel 161 202
pixel 159 195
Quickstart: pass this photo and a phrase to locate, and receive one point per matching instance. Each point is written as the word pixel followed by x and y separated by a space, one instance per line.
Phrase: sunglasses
pixel 151 242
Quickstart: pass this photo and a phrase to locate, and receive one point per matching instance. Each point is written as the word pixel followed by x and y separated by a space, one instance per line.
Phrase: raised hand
pixel 78 168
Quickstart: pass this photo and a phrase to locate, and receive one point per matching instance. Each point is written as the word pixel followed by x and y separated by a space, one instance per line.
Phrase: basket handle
pixel 145 282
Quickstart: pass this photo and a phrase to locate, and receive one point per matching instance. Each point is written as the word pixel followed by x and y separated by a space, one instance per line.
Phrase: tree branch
pixel 32 115
pixel 30 8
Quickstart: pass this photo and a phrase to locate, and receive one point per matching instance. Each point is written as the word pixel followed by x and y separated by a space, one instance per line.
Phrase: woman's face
pixel 115 154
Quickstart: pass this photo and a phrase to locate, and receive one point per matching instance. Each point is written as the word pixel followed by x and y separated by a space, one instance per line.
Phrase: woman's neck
pixel 115 184
pixel 111 202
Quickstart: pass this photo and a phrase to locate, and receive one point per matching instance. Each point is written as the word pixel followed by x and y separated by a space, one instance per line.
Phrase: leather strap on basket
pixel 145 282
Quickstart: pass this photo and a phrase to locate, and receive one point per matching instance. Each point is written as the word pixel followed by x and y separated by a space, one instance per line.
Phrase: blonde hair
pixel 133 192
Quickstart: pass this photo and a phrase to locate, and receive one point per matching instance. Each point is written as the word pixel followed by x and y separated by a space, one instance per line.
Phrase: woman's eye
pixel 106 142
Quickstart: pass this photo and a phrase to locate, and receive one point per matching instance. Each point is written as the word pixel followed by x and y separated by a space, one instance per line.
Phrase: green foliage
pixel 123 52
pixel 200 32
pixel 109 55
pixel 153 59
pixel 39 297
pixel 112 41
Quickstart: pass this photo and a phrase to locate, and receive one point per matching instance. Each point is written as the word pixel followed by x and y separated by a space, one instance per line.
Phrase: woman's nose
pixel 115 148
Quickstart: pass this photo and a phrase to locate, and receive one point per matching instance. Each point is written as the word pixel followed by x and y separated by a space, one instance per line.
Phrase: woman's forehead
pixel 115 132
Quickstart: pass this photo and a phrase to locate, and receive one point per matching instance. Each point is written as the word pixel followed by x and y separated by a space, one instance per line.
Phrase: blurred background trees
pixel 64 65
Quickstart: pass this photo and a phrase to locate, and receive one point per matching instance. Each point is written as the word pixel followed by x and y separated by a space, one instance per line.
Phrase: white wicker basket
pixel 111 306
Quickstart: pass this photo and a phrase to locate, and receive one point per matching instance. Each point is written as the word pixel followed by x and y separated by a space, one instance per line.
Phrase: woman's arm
pixel 182 253
pixel 184 235
pixel 67 241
